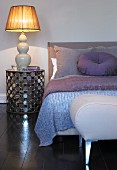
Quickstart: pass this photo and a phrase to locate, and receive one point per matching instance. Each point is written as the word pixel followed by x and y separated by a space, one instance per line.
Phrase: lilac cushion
pixel 97 64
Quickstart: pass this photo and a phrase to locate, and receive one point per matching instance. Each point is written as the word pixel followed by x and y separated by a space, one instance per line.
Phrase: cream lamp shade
pixel 22 19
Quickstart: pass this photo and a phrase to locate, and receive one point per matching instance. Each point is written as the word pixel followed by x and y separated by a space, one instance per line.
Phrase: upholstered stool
pixel 95 118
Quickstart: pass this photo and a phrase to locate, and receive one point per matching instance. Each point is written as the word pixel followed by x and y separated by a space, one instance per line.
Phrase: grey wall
pixel 62 20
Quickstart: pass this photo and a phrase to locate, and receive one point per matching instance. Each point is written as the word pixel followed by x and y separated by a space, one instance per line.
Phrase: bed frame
pixel 73 45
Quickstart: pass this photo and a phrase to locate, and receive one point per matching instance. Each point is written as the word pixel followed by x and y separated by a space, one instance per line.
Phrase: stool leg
pixel 87 151
pixel 80 141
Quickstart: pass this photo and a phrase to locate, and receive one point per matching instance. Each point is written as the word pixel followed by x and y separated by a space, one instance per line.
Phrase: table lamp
pixel 22 19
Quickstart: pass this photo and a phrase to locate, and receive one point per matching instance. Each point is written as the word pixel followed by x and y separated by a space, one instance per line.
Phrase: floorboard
pixel 19 148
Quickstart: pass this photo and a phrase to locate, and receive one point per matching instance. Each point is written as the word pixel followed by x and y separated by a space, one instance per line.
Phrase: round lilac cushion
pixel 97 64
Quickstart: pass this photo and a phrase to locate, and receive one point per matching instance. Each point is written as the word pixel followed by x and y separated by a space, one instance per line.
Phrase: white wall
pixel 62 20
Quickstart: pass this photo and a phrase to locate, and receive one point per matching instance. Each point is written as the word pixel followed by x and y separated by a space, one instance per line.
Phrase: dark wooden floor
pixel 19 148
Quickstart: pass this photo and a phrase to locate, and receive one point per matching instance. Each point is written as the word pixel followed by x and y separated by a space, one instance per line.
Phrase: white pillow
pixel 54 63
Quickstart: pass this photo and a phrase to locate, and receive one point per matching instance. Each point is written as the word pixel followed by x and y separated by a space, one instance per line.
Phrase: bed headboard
pixel 73 45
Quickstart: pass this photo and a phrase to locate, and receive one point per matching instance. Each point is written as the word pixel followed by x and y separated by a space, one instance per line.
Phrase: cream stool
pixel 95 118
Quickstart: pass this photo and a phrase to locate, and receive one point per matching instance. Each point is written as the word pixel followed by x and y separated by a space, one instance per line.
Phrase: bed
pixel 69 77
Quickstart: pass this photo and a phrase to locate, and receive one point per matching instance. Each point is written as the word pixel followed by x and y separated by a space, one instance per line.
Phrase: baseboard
pixel 3 98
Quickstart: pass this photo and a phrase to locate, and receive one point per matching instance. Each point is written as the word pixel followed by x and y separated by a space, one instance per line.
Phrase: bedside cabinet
pixel 24 90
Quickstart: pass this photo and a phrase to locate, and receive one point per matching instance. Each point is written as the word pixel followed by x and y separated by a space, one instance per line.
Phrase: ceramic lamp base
pixel 23 59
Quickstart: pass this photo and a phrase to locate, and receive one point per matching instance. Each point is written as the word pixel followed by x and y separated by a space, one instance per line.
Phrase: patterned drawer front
pixel 24 91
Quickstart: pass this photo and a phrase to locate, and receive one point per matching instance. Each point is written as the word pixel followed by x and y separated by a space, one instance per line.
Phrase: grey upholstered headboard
pixel 73 45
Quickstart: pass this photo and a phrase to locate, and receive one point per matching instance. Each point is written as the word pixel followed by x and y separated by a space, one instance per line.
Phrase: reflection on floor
pixel 19 148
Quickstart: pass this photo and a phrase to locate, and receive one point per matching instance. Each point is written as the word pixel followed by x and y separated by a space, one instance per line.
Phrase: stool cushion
pixel 95 116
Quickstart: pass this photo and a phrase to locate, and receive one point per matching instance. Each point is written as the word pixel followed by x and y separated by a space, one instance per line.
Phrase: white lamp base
pixel 22 59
